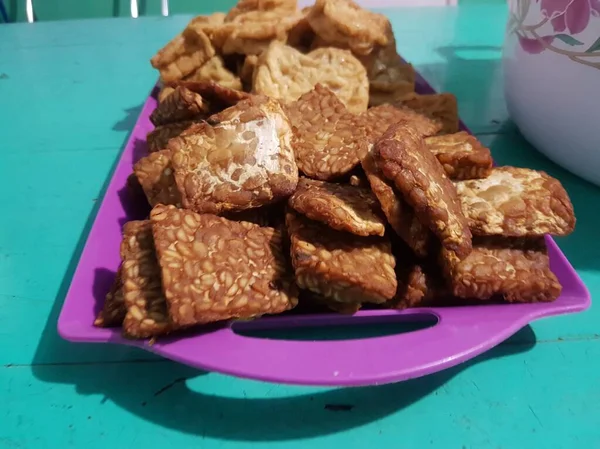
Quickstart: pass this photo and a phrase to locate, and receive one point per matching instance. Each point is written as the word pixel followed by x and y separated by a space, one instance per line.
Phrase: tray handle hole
pixel 339 328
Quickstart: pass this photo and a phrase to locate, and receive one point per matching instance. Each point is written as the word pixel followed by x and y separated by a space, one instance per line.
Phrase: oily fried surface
pixel 399 214
pixel 284 73
pixel 214 70
pixel 215 269
pixel 403 158
pixel 180 105
pixel 341 267
pixel 344 23
pixel 155 174
pixel 328 140
pixel 158 138
pixel 442 107
pixel 339 206
pixel 461 155
pixel 516 202
pixel 241 158
pixel 142 288
pixel 516 269
pixel 113 310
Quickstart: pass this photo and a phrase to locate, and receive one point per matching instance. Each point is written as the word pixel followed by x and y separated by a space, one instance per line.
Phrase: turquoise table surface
pixel 69 96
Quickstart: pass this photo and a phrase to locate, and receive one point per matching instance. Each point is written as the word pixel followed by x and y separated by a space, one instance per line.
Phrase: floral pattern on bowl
pixel 560 26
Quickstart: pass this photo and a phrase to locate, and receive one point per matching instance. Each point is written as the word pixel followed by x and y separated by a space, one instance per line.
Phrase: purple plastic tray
pixel 459 334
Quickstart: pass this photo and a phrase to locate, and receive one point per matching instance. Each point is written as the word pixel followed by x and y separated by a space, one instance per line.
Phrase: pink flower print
pixel 534 46
pixel 571 15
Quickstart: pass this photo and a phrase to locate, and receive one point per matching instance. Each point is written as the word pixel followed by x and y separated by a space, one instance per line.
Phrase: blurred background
pixel 45 10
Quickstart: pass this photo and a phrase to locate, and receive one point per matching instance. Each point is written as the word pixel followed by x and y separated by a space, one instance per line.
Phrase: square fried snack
pixel 378 119
pixel 155 174
pixel 339 266
pixel 217 96
pixel 344 23
pixel 187 51
pixel 113 310
pixel 142 288
pixel 516 202
pixel 284 73
pixel 214 70
pixel 339 206
pixel 158 138
pixel 516 269
pixel 214 269
pixel 180 105
pixel 461 155
pixel 399 214
pixel 241 158
pixel 442 107
pixel 328 140
pixel 403 158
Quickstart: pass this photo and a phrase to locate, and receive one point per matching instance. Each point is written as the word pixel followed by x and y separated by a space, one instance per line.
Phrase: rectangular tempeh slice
pixel 341 267
pixel 215 269
pixel 516 202
pixel 399 214
pixel 442 107
pixel 113 311
pixel 461 155
pixel 516 269
pixel 158 138
pixel 180 105
pixel 142 288
pixel 155 175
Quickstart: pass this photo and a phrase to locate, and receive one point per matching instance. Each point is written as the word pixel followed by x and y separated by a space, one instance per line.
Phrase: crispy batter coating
pixel 246 6
pixel 188 50
pixel 380 118
pixel 516 202
pixel 328 140
pixel 344 23
pixel 241 158
pixel 214 269
pixel 181 105
pixel 442 107
pixel 158 138
pixel 339 206
pixel 113 310
pixel 142 288
pixel 403 158
pixel 461 155
pixel 284 73
pixel 217 96
pixel 341 267
pixel 214 70
pixel 155 175
pixel 399 214
pixel 518 270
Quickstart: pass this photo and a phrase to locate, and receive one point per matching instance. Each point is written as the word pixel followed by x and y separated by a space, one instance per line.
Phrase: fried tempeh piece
pixel 155 174
pixel 344 23
pixel 378 119
pixel 113 310
pixel 516 269
pixel 328 140
pixel 217 96
pixel 420 284
pixel 241 158
pixel 461 155
pixel 341 267
pixel 399 214
pixel 142 288
pixel 516 202
pixel 341 207
pixel 420 178
pixel 188 50
pixel 181 105
pixel 214 269
pixel 214 70
pixel 158 138
pixel 442 107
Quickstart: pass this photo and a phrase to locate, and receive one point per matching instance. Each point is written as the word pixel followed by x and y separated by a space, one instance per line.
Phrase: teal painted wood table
pixel 69 95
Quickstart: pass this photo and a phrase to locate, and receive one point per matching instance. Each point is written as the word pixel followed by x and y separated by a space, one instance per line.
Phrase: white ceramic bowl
pixel 552 79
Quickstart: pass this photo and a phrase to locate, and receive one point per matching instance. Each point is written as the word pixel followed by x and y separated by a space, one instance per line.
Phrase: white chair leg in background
pixel 29 10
